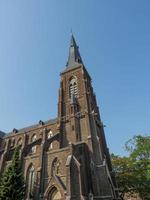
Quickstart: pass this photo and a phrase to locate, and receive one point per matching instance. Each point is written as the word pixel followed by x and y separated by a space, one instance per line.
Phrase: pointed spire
pixel 74 54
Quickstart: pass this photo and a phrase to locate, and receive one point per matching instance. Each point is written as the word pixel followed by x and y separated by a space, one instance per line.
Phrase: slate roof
pixel 26 129
pixel 74 54
pixel 2 134
pixel 74 59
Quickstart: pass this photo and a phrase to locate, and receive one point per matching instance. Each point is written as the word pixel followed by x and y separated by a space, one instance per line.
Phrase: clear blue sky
pixel 114 40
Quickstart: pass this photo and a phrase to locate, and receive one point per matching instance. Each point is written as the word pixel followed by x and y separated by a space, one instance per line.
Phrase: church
pixel 65 158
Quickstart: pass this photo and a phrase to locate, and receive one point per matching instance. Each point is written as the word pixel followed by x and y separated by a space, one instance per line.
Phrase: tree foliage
pixel 12 185
pixel 133 172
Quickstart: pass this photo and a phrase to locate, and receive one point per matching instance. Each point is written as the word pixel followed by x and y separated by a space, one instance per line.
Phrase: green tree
pixel 12 185
pixel 133 172
pixel 125 178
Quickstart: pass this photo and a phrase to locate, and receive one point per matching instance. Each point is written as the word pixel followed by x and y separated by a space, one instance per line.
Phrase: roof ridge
pixel 28 128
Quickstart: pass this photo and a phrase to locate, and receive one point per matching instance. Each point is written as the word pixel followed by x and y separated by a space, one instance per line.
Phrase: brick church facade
pixel 66 158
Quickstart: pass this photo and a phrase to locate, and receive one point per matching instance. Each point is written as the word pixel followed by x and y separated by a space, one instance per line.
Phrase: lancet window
pixel 33 139
pixel 73 89
pixel 30 181
pixel 50 134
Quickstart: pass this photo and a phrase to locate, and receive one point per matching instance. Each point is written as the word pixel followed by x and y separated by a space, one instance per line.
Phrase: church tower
pixel 80 122
pixel 65 158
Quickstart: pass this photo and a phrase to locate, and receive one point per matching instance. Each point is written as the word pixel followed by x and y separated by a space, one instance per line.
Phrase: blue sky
pixel 114 41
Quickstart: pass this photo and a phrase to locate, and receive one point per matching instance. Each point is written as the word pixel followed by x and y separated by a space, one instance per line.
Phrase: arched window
pixel 30 182
pixel 73 89
pixel 50 134
pixel 33 139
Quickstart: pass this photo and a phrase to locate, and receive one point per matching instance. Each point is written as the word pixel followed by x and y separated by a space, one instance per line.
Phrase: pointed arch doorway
pixel 54 194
